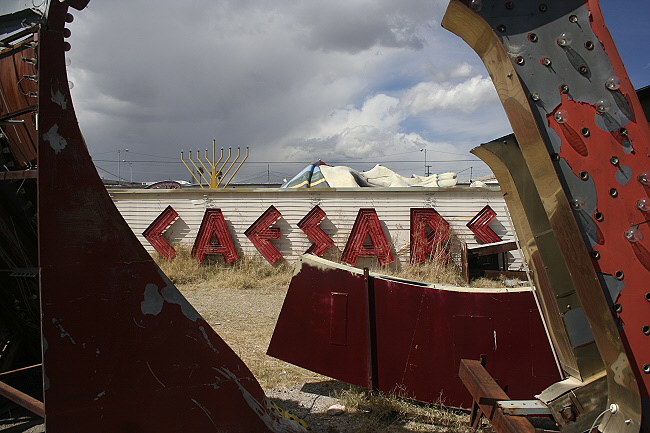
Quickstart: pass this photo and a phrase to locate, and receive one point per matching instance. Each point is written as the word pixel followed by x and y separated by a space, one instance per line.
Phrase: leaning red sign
pixel 428 230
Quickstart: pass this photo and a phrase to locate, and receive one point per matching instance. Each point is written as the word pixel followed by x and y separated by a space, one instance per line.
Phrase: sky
pixel 350 82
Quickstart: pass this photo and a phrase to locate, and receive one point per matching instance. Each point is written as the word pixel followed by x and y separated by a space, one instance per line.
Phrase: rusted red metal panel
pixel 123 351
pixel 214 227
pixel 20 96
pixel 429 244
pixel 422 333
pixel 367 225
pixel 260 234
pixel 479 225
pixel 310 225
pixel 154 233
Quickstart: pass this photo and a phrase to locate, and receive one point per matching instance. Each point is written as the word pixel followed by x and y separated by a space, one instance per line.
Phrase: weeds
pixel 245 273
pixel 378 412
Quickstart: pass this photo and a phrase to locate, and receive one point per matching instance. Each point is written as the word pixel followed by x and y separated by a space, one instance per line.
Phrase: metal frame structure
pixel 578 185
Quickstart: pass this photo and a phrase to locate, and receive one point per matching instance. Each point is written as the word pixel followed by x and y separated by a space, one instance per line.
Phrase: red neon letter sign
pixel 214 226
pixel 154 233
pixel 367 224
pixel 260 234
pixel 310 225
pixel 479 226
pixel 423 244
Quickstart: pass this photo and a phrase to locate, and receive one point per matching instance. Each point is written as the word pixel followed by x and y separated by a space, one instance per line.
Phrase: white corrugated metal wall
pixel 241 207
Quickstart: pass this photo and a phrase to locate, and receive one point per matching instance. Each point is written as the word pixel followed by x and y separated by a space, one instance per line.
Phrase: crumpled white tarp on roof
pixel 380 176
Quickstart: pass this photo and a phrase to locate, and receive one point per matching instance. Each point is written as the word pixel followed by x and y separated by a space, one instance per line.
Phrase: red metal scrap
pixel 479 226
pixel 367 225
pixel 154 233
pixel 214 227
pixel 260 234
pixel 123 350
pixel 310 225
pixel 420 333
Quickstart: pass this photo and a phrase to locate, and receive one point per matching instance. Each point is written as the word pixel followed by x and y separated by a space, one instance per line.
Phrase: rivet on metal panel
pixel 583 69
pixel 535 96
pixel 584 175
pixel 520 60
pixel 564 88
pixel 576 204
pixel 643 178
pixel 599 216
pixel 69 18
pixel 614 160
pixel 619 275
pixel 646 330
pixel 585 132
pixel 546 61
pixel 555 156
pixel 589 45
pixel 613 192
pixel 647 296
pixel 532 37
pixel 510 5
pixel 623 132
pixel 476 5
pixel 646 368
pixel 643 205
pixel 543 7
pixel 501 28
pixel 595 254
pixel 573 19
pixel 618 308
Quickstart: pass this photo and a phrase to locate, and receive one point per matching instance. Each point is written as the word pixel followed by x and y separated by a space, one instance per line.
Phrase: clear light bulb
pixel 476 5
pixel 561 116
pixel 631 235
pixel 613 83
pixel 603 106
pixel 565 39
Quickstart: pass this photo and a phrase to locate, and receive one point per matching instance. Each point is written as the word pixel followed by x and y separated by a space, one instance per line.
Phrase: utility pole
pixel 268 173
pixel 426 167
pixel 119 158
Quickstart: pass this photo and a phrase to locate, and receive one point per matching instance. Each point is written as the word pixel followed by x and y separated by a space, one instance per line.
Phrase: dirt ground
pixel 245 319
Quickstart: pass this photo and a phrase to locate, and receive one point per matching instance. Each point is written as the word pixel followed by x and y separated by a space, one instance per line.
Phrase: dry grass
pixel 379 413
pixel 245 273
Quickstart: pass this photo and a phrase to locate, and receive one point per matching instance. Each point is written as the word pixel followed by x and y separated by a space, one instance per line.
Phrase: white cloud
pixel 319 79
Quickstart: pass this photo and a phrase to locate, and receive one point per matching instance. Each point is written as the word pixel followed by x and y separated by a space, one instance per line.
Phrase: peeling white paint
pixel 495 340
pixel 57 142
pixel 153 301
pixel 207 412
pixel 64 333
pixel 205 335
pixel 59 99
